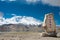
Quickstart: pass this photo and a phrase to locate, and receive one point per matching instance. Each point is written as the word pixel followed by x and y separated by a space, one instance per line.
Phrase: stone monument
pixel 49 26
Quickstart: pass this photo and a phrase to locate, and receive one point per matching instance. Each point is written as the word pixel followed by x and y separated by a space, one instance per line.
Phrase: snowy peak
pixel 30 20
pixel 20 19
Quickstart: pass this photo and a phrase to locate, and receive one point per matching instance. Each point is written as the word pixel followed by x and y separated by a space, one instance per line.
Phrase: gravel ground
pixel 26 36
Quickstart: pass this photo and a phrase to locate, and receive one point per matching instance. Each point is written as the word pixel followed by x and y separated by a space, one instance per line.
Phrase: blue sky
pixel 33 8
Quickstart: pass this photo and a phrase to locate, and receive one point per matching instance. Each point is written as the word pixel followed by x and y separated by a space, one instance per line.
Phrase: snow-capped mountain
pixel 20 19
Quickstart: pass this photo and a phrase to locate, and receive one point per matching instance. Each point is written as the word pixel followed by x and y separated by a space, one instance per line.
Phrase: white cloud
pixel 58 25
pixel 8 0
pixel 32 1
pixel 13 14
pixel 52 2
pixel 49 2
pixel 20 19
pixel 12 0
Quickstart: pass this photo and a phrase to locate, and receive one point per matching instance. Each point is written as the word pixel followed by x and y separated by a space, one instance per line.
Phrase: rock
pixel 44 34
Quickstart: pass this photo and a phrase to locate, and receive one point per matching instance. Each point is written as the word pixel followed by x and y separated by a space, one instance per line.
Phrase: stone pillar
pixel 49 25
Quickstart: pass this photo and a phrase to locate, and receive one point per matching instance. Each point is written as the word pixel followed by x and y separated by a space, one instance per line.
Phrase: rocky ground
pixel 26 36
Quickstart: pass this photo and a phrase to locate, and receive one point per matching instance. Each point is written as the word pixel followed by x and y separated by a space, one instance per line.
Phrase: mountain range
pixel 20 19
pixel 19 23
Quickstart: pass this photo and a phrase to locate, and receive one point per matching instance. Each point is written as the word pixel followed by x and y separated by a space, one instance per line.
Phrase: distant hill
pixel 19 27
